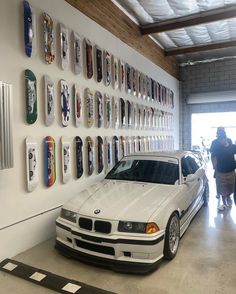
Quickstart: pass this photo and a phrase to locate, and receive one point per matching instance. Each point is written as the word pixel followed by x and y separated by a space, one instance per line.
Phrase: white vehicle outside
pixel 137 214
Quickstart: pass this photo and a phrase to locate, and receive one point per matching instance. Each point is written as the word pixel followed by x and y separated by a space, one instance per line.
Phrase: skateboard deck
pixel 65 103
pixel 107 156
pixel 122 112
pixel 79 156
pixel 107 68
pixel 99 109
pixel 50 163
pixel 31 163
pixel 127 78
pixel 152 90
pixel 65 159
pixel 64 36
pixel 123 146
pixel 89 107
pixel 107 111
pixel 115 143
pixel 77 106
pixel 49 101
pixel 77 52
pixel 139 114
pixel 121 75
pixel 148 113
pixel 148 97
pixel 133 81
pixel 144 87
pixel 99 154
pixel 139 144
pixel 129 115
pixel 31 96
pixel 135 115
pixel 144 110
pixel 48 31
pixel 152 115
pixel 29 29
pixel 139 88
pixel 89 58
pixel 115 73
pixel 116 113
pixel 98 62
pixel 90 146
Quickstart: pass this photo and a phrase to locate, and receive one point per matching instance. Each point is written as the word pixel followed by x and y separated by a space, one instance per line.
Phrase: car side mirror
pixel 190 178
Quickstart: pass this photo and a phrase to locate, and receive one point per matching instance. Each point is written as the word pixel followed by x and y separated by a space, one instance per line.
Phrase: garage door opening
pixel 204 126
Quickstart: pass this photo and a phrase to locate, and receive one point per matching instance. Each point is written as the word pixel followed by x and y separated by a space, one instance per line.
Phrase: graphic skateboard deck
pixel 31 96
pixel 116 113
pixel 152 90
pixel 64 36
pixel 98 62
pixel 115 73
pixel 89 107
pixel 31 163
pixel 89 58
pixel 77 52
pixel 129 114
pixel 148 97
pixel 122 112
pixel 107 111
pixel 49 101
pixel 77 106
pixel 135 115
pixel 144 110
pixel 121 75
pixel 99 154
pixel 139 144
pixel 65 103
pixel 50 162
pixel 107 157
pixel 29 29
pixel 127 78
pixel 90 146
pixel 139 114
pixel 65 159
pixel 99 109
pixel 107 68
pixel 79 156
pixel 115 143
pixel 48 31
pixel 144 92
pixel 133 81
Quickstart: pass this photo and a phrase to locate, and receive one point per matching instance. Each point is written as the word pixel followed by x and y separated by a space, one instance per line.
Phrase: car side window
pixel 185 167
pixel 193 167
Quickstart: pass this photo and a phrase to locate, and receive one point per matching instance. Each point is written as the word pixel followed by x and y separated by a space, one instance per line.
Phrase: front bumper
pixel 120 254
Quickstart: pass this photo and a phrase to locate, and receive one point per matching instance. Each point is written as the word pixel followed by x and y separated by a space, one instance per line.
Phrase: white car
pixel 137 214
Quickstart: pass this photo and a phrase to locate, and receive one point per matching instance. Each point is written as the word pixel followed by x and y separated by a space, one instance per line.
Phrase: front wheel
pixel 172 237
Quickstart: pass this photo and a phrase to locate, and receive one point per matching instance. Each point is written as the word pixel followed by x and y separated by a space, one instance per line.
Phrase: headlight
pixel 68 215
pixel 136 227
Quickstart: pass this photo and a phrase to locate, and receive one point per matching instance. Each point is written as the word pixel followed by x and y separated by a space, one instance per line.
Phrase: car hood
pixel 122 200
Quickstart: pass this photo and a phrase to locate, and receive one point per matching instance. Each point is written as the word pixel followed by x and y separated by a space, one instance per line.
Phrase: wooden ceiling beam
pixel 207 47
pixel 189 20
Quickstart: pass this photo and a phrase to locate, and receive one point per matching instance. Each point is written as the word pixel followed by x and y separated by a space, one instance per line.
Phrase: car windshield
pixel 151 171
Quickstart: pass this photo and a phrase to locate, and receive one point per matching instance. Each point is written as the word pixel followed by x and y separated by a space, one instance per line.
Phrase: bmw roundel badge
pixel 97 211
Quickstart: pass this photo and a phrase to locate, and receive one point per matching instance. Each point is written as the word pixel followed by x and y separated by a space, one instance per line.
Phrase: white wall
pixel 29 218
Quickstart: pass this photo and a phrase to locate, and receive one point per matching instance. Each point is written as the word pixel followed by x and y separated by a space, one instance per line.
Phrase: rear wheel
pixel 172 237
pixel 206 195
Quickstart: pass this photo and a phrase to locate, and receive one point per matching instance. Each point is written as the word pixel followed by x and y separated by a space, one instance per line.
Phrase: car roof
pixel 178 154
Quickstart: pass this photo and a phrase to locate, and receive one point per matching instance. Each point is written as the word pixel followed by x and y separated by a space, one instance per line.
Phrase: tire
pixel 206 195
pixel 172 237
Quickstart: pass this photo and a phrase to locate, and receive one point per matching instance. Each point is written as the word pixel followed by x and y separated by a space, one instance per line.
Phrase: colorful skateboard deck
pixel 49 101
pixel 48 30
pixel 107 156
pixel 77 52
pixel 65 159
pixel 127 78
pixel 122 112
pixel 31 96
pixel 89 58
pixel 31 163
pixel 99 109
pixel 77 106
pixel 29 29
pixel 121 75
pixel 115 73
pixel 115 143
pixel 129 114
pixel 98 62
pixel 64 36
pixel 116 113
pixel 65 103
pixel 90 146
pixel 107 68
pixel 99 154
pixel 89 107
pixel 79 156
pixel 50 162
pixel 107 111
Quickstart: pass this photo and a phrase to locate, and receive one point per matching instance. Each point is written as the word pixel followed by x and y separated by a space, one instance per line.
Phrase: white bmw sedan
pixel 137 214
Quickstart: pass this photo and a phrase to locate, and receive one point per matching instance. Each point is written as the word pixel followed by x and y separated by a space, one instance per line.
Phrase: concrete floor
pixel 205 263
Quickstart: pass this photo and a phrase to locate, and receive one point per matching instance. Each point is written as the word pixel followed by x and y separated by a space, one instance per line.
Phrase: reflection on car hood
pixel 122 200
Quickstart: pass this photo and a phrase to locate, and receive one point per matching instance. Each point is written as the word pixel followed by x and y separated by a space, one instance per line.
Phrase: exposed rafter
pixel 190 20
pixel 192 49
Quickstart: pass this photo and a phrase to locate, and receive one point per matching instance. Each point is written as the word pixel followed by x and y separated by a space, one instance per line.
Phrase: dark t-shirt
pixel 224 157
